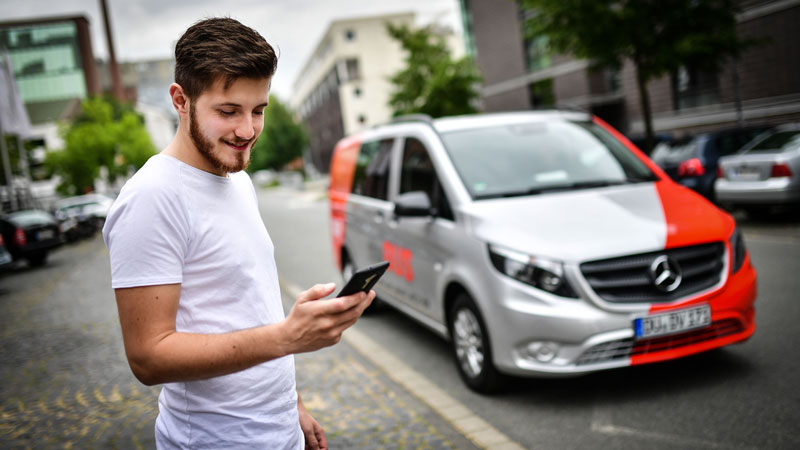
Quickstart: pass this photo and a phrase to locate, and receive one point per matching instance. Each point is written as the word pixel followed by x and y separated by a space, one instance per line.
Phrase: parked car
pixel 83 215
pixel 539 243
pixel 765 173
pixel 692 161
pixel 5 258
pixel 30 235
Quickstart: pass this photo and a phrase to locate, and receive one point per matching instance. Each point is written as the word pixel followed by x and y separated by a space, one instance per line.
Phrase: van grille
pixel 625 348
pixel 627 279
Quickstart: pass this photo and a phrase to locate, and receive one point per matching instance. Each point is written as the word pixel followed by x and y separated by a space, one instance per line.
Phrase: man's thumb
pixel 316 292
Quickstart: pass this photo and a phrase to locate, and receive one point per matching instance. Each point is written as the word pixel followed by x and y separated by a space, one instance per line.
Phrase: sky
pixel 148 29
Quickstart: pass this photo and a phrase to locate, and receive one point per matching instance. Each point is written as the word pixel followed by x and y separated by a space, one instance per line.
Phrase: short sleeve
pixel 147 233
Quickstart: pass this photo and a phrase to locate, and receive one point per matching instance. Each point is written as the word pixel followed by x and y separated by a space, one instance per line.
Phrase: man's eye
pixel 227 113
pixel 259 113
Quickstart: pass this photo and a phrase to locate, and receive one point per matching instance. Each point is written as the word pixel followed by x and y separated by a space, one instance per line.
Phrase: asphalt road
pixel 740 397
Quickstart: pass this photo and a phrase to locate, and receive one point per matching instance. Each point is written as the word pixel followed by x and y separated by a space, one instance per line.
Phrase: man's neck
pixel 183 149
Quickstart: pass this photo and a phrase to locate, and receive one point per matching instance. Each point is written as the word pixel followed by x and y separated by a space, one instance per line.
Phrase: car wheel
pixel 470 341
pixel 37 260
pixel 348 269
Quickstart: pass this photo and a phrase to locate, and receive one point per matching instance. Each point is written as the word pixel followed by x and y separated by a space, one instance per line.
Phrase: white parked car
pixel 766 172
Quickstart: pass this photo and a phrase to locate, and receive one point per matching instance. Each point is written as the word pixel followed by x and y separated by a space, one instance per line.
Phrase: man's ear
pixel 180 101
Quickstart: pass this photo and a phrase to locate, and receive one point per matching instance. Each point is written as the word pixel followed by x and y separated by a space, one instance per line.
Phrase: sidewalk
pixel 366 399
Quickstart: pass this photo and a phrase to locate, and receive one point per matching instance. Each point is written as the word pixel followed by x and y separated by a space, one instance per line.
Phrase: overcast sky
pixel 148 29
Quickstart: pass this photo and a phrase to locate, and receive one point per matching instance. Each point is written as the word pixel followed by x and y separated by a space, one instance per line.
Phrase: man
pixel 193 268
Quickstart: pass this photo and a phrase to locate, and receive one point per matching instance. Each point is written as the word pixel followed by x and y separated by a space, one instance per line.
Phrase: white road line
pixel 471 426
pixel 601 423
pixel 771 239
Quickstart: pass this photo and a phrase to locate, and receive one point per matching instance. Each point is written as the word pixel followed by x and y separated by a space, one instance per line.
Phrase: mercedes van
pixel 539 243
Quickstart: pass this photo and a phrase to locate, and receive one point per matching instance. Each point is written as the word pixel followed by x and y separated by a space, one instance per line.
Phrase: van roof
pixel 455 123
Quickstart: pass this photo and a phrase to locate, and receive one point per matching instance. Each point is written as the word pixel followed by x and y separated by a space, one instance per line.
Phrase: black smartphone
pixel 364 279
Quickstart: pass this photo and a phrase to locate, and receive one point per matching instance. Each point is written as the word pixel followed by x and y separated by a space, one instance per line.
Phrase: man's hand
pixel 314 323
pixel 312 430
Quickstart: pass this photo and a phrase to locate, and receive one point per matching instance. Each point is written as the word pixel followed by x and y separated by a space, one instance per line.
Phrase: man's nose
pixel 245 129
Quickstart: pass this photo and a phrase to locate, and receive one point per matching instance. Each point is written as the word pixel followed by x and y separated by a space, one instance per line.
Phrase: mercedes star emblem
pixel 666 273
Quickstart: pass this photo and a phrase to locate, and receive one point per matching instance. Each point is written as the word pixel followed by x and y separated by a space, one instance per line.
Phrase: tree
pixel 658 36
pixel 282 139
pixel 432 82
pixel 105 134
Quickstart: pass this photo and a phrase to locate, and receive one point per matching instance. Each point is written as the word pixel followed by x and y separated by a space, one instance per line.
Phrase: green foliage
pixel 282 140
pixel 432 82
pixel 105 134
pixel 658 36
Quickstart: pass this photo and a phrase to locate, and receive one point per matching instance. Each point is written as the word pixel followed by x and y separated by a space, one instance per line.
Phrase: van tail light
pixel 720 173
pixel 2 242
pixel 19 237
pixel 691 168
pixel 780 170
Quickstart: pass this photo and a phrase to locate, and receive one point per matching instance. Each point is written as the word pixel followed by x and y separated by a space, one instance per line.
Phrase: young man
pixel 193 268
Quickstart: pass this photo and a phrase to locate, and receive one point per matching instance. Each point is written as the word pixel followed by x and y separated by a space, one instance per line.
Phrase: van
pixel 539 243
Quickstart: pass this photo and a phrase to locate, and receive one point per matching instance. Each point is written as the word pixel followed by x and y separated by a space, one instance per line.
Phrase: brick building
pixel 520 74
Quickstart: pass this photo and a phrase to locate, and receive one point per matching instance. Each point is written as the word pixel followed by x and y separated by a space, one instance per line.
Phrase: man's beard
pixel 206 148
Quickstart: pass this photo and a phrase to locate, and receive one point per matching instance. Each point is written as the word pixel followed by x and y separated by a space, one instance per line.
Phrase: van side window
pixel 372 169
pixel 418 174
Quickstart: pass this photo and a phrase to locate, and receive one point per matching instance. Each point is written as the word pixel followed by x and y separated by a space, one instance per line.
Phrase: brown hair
pixel 221 48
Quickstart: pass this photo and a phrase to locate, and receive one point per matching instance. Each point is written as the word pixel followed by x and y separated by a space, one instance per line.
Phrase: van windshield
pixel 539 157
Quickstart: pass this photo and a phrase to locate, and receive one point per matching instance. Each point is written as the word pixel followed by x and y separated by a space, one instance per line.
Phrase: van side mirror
pixel 413 204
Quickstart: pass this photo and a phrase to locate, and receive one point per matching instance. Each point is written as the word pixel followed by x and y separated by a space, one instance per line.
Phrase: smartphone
pixel 364 279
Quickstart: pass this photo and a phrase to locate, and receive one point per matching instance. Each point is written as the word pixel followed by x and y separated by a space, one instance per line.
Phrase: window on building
pixel 357 92
pixel 362 119
pixel 349 35
pixel 692 87
pixel 537 53
pixel 372 169
pixel 353 71
pixel 542 94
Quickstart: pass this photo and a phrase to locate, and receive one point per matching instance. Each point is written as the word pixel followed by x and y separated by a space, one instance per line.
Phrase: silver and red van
pixel 539 243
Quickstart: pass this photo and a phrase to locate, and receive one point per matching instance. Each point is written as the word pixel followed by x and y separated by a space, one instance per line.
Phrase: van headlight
pixel 738 250
pixel 541 273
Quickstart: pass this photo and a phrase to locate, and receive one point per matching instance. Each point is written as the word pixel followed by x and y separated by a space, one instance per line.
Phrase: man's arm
pixel 157 353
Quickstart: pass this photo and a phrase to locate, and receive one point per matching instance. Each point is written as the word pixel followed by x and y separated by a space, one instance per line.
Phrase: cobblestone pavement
pixel 66 383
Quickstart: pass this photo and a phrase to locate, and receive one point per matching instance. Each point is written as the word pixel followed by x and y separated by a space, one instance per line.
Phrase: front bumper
pixel 589 339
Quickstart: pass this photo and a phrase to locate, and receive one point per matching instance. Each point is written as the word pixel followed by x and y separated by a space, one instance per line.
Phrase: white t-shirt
pixel 174 223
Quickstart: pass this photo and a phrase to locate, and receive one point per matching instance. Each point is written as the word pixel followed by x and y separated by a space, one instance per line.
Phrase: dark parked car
pixel 5 257
pixel 30 235
pixel 693 161
pixel 82 216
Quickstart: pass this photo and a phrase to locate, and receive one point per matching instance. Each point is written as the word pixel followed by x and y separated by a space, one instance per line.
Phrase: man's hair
pixel 221 48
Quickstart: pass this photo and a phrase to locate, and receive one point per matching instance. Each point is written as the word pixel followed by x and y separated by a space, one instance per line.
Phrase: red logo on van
pixel 399 260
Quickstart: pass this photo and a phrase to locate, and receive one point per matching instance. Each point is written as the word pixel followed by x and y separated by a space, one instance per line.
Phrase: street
pixel 67 384
pixel 741 397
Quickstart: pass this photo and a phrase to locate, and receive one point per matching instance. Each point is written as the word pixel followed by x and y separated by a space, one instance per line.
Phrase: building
pixel 762 87
pixel 344 85
pixel 53 64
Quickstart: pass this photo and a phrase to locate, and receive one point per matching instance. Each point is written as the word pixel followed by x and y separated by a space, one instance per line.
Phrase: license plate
pixel 746 174
pixel 672 322
pixel 45 234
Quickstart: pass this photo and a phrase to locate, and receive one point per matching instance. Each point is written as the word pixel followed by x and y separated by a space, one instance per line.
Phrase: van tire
pixel 348 269
pixel 471 346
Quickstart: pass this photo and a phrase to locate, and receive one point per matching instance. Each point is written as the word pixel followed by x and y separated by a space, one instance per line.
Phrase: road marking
pixel 771 239
pixel 469 424
pixel 601 423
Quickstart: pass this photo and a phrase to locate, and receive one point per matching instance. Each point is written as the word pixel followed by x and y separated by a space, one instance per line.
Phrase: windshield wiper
pixel 567 187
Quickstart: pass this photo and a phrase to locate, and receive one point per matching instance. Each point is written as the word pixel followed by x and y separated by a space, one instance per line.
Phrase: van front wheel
pixel 471 348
